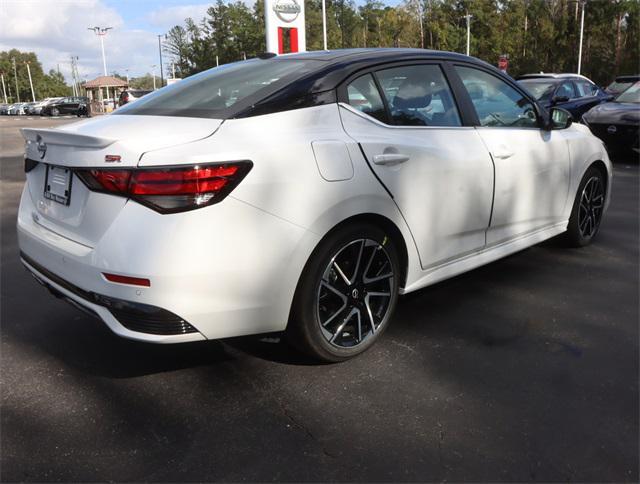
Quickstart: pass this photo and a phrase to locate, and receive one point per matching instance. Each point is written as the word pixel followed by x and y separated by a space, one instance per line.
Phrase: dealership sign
pixel 284 22
pixel 287 10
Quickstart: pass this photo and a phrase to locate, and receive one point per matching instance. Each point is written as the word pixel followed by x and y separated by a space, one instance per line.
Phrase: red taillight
pixel 112 180
pixel 169 190
pixel 136 281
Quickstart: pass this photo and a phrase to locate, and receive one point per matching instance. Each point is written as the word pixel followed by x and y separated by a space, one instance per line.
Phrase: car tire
pixel 55 112
pixel 346 295
pixel 588 208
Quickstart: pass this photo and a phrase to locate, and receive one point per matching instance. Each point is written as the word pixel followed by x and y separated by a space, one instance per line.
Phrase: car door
pixel 437 170
pixel 72 106
pixel 567 90
pixel 589 96
pixel 532 165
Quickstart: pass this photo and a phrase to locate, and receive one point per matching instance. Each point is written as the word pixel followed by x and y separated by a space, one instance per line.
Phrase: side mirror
pixel 559 119
pixel 559 99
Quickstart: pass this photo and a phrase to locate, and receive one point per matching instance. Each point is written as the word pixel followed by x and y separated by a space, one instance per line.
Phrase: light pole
pixel 160 54
pixel 154 76
pixel 468 17
pixel 101 32
pixel 324 24
pixel 15 74
pixel 4 89
pixel 584 4
pixel 33 94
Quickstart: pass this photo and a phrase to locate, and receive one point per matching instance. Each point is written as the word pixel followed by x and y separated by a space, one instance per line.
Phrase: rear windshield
pixel 217 92
pixel 539 89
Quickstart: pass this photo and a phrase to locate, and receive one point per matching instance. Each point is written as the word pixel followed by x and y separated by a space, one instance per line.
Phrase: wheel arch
pixel 600 165
pixel 385 224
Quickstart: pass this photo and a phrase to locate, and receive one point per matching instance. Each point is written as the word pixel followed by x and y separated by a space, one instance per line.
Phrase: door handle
pixel 390 159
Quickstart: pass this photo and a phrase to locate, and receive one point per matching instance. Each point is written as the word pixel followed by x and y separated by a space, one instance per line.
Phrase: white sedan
pixel 302 193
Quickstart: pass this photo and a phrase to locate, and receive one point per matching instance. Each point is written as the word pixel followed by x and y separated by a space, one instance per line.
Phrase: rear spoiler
pixel 64 138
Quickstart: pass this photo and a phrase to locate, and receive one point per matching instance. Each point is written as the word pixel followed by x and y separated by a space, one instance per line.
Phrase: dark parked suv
pixel 67 105
pixel 572 92
pixel 131 95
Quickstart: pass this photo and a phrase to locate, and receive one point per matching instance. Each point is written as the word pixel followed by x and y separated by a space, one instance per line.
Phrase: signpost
pixel 284 22
pixel 503 63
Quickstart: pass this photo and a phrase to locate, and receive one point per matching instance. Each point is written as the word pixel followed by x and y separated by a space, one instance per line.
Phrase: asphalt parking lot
pixel 526 369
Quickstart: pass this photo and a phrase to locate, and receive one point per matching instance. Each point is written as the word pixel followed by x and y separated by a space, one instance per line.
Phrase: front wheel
pixel 347 294
pixel 588 208
pixel 55 112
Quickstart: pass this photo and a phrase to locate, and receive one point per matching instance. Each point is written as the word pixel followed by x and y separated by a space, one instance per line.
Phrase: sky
pixel 57 29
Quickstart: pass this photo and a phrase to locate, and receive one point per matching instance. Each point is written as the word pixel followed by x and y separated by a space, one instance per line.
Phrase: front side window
pixel 495 101
pixel 364 96
pixel 566 90
pixel 418 96
pixel 585 88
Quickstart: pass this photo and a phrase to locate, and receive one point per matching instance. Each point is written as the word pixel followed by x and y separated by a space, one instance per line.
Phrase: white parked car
pixel 301 193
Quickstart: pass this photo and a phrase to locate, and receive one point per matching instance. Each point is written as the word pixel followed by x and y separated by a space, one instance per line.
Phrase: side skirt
pixel 482 257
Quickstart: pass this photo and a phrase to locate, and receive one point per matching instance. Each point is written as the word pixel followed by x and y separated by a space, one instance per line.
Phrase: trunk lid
pixel 86 215
pixel 85 144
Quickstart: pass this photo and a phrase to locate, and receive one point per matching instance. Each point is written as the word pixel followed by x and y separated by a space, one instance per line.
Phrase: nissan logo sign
pixel 612 129
pixel 287 10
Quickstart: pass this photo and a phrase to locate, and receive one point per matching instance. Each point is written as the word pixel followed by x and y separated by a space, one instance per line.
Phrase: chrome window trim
pixel 394 126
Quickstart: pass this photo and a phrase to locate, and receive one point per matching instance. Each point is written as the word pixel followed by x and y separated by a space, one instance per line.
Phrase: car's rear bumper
pixel 125 318
pixel 225 270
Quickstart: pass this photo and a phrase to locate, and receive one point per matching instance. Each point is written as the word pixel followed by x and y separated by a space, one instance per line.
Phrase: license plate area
pixel 57 184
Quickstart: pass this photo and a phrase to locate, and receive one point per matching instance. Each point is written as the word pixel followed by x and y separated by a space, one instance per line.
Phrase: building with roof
pixel 104 88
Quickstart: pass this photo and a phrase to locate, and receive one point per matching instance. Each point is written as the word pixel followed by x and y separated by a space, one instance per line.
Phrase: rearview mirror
pixel 559 99
pixel 559 119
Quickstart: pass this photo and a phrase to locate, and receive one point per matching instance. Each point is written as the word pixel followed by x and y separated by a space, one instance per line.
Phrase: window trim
pixel 343 97
pixel 365 116
pixel 510 82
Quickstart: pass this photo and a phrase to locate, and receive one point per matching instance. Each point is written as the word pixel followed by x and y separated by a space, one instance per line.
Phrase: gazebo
pixel 103 88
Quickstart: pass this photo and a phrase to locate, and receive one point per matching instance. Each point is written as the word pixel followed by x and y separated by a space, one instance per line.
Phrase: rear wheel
pixel 346 295
pixel 588 208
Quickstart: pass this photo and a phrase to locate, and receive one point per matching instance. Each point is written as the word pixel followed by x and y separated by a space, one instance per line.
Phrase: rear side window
pixel 418 96
pixel 211 93
pixel 364 96
pixel 496 102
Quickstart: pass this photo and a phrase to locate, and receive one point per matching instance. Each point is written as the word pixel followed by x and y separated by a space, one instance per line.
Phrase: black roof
pixel 334 66
pixel 316 84
pixel 341 63
pixel 370 53
pixel 628 78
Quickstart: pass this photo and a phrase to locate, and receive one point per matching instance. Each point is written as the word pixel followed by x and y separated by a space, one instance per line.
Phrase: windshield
pixel 618 86
pixel 211 93
pixel 631 95
pixel 539 89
